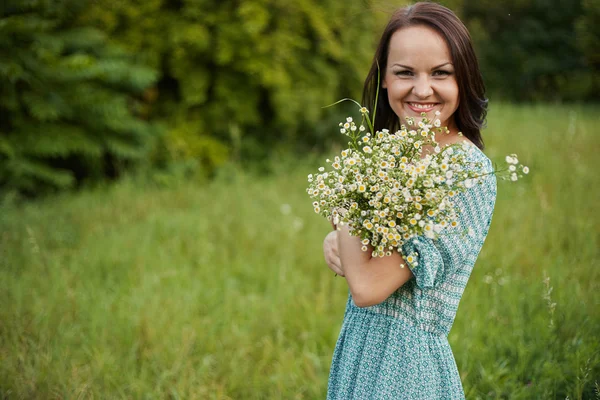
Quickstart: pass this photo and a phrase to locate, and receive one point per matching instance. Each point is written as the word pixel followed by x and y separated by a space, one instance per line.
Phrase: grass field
pixel 219 291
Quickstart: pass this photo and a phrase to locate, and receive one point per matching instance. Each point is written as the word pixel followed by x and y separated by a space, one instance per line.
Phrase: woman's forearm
pixel 371 280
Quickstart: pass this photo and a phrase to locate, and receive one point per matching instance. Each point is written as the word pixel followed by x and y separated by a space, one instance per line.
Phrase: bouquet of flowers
pixel 390 187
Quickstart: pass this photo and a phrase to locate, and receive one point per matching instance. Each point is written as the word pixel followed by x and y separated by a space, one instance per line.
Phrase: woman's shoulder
pixel 475 155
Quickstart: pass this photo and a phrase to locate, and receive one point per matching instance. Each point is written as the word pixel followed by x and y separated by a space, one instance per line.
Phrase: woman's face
pixel 420 77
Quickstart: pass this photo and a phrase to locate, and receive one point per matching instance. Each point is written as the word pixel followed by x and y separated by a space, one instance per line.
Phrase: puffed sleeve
pixel 456 248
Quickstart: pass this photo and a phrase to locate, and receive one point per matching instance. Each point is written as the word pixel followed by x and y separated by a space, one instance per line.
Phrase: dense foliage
pixel 538 50
pixel 84 84
pixel 67 99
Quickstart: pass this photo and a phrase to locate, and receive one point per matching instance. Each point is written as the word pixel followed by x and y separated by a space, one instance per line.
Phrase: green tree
pixel 588 39
pixel 528 49
pixel 244 75
pixel 68 102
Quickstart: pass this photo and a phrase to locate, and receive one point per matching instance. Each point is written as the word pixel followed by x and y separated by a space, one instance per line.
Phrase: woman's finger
pixel 335 264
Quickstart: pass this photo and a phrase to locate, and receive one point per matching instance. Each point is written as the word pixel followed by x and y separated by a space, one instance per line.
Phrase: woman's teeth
pixel 421 106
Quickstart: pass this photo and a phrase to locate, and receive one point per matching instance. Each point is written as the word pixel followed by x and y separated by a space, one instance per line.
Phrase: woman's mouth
pixel 421 107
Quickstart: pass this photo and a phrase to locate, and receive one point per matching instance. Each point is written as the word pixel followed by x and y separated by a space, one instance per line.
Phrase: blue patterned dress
pixel 399 349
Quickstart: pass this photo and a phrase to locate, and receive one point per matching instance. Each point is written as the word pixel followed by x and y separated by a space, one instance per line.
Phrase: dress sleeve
pixel 436 259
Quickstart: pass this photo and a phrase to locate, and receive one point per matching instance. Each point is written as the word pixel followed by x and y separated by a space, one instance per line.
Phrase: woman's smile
pixel 421 107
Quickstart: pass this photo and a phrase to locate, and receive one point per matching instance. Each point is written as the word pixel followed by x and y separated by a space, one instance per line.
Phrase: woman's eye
pixel 403 73
pixel 441 73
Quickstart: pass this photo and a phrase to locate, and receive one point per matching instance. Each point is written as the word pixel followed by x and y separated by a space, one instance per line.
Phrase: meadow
pixel 218 289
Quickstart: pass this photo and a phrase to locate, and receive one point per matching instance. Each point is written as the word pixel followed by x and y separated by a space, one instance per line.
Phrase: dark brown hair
pixel 472 107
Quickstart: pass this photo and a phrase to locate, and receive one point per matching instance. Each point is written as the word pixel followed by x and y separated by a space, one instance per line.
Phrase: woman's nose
pixel 422 88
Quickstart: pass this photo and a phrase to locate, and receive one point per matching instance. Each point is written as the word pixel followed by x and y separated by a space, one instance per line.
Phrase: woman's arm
pixel 371 280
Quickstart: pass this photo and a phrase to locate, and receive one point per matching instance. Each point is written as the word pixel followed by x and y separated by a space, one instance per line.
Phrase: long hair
pixel 472 108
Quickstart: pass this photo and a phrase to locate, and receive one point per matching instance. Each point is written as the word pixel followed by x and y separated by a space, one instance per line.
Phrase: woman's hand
pixel 330 251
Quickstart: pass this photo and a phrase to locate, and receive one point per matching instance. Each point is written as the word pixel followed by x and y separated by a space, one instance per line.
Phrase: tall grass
pixel 218 290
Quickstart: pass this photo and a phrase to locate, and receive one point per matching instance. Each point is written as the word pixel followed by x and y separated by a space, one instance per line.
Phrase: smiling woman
pixel 393 343
pixel 429 49
pixel 420 76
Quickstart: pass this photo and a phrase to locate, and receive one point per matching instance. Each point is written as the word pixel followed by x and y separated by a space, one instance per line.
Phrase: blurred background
pixel 155 237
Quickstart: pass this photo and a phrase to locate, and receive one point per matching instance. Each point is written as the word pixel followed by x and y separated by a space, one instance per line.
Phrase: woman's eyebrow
pixel 436 67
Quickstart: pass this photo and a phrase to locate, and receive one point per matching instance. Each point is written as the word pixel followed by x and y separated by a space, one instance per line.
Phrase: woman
pixel 393 343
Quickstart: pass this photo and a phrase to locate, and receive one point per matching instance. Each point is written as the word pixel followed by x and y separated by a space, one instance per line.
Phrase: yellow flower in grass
pixel 454 224
pixel 392 224
pixel 413 221
pixel 368 224
pixel 410 259
pixel 399 214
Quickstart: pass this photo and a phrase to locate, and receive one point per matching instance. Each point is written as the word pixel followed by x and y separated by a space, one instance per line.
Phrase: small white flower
pixel 525 170
pixel 361 128
pixel 513 177
pixel 321 169
pixel 342 130
pixel 512 168
pixel 349 119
